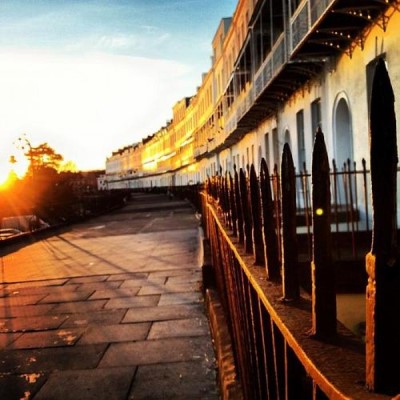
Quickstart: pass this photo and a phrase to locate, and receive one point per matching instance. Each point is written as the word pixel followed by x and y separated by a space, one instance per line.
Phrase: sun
pixel 7 180
pixel 10 172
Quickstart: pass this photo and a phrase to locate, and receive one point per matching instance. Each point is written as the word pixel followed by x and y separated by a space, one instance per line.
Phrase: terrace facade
pixel 280 69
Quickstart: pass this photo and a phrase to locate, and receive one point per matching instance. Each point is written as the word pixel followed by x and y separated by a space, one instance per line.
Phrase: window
pixel 315 116
pixel 275 146
pixel 343 136
pixel 301 147
pixel 267 154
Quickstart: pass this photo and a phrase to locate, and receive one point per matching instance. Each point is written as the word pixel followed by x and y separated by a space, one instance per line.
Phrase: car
pixel 6 233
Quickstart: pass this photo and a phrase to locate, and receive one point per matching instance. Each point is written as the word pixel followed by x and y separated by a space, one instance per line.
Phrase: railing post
pixel 269 232
pixel 238 208
pixel 233 205
pixel 258 245
pixel 290 279
pixel 383 298
pixel 322 271
pixel 246 213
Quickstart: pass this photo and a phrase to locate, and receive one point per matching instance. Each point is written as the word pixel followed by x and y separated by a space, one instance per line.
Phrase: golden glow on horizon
pixel 5 182
pixel 9 171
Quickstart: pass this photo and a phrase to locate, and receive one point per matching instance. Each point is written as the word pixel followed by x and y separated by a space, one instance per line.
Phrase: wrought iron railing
pixel 287 341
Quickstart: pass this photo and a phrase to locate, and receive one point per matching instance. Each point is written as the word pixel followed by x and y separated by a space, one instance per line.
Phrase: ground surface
pixel 109 309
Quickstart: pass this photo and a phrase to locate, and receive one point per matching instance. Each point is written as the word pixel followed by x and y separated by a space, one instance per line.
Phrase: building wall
pixel 334 99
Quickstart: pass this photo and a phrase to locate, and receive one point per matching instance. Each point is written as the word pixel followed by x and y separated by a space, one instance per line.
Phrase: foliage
pixel 43 157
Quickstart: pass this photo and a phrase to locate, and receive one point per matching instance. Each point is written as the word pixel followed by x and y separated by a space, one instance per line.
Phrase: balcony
pixel 321 28
pixel 318 29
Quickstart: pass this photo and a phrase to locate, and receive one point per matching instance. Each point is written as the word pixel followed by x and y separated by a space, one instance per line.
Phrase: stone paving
pixel 110 309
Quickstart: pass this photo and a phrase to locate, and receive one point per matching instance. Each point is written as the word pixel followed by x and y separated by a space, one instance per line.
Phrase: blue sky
pixel 91 76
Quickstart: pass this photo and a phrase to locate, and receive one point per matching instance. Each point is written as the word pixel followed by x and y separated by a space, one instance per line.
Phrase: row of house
pixel 280 69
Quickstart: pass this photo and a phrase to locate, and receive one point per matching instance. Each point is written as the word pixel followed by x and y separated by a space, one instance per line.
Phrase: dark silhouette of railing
pixel 287 341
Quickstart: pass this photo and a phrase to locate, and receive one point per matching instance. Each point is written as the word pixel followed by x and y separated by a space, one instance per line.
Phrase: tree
pixel 43 157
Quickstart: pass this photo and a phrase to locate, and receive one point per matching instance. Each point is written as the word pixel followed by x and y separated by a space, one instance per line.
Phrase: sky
pixel 92 76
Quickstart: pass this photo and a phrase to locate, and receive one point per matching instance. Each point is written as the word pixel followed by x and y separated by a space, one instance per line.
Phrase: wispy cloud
pixel 151 40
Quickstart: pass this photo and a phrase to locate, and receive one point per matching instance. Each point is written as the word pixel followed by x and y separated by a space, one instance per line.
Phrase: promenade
pixel 108 309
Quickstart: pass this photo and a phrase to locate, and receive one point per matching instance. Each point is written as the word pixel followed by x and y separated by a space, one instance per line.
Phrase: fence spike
pixel 232 205
pixel 290 279
pixel 269 229
pixel 238 208
pixel 322 271
pixel 246 213
pixel 382 264
pixel 258 245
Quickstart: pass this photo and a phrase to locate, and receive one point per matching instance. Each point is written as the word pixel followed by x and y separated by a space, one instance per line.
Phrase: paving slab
pixel 7 338
pixel 21 387
pixel 78 306
pixel 180 298
pixel 17 300
pixel 94 318
pixel 161 313
pixel 187 278
pixel 125 276
pixel 186 271
pixel 175 381
pixel 115 293
pixel 35 284
pixel 88 279
pixel 53 338
pixel 62 297
pixel 99 285
pixel 25 311
pixel 115 333
pixel 176 288
pixel 179 328
pixel 115 311
pixel 29 361
pixel 157 351
pixel 45 290
pixel 128 302
pixel 39 323
pixel 139 282
pixel 99 384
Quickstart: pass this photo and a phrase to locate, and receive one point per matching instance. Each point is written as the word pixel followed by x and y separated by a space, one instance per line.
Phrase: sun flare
pixel 9 173
pixel 6 181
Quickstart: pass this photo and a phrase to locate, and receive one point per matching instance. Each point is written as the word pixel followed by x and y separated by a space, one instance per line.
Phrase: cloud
pixel 86 107
pixel 150 39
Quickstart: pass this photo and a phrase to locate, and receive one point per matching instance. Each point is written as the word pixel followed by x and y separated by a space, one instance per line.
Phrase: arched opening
pixel 343 133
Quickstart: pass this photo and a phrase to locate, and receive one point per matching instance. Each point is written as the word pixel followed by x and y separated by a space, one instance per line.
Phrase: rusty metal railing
pixel 288 343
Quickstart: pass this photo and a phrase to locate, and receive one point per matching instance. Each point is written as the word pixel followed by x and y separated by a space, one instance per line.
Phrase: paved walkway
pixel 110 309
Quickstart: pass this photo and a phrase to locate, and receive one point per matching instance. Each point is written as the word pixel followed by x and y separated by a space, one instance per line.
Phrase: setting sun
pixel 5 183
pixel 9 172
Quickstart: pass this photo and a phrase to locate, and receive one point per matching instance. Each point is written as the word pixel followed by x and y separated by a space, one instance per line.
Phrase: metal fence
pixel 288 343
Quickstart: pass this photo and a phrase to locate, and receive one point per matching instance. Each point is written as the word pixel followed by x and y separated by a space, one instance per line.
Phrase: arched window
pixel 343 133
